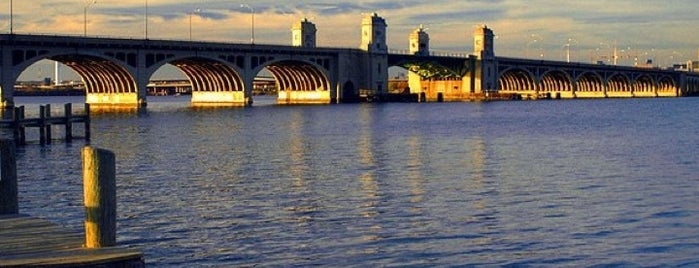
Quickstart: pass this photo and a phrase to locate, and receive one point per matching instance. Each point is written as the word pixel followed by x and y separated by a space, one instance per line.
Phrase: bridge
pixel 117 71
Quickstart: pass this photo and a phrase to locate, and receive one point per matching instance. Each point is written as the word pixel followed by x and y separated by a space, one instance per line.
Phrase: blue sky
pixel 665 30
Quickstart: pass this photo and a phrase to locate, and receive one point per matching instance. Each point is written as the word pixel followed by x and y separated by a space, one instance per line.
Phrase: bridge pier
pixel 220 98
pixel 115 100
pixel 304 97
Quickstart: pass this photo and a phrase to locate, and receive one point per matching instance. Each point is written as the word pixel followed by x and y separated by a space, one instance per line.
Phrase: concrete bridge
pixel 116 71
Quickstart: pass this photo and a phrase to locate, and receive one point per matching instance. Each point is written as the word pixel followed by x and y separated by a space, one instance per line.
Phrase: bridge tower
pixel 376 61
pixel 419 46
pixel 419 42
pixel 303 34
pixel 486 69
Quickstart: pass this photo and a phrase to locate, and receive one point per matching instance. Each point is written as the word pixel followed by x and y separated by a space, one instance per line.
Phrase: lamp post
pixel 146 20
pixel 252 22
pixel 11 17
pixel 190 22
pixel 567 45
pixel 88 3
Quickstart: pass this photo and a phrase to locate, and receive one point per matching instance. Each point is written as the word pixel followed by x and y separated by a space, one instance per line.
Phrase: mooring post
pixel 47 123
pixel 20 128
pixel 68 109
pixel 15 124
pixel 99 181
pixel 87 122
pixel 42 124
pixel 8 178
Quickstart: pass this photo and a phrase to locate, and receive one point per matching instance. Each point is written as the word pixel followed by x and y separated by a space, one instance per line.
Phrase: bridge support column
pixel 304 97
pixel 220 98
pixel 115 100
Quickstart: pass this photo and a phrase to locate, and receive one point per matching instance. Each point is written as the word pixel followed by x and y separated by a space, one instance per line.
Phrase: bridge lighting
pixel 535 38
pixel 88 3
pixel 252 22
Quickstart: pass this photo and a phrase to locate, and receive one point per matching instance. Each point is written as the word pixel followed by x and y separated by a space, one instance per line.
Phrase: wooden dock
pixel 19 123
pixel 27 241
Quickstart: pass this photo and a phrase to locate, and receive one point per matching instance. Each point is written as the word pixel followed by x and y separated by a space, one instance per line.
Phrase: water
pixel 533 183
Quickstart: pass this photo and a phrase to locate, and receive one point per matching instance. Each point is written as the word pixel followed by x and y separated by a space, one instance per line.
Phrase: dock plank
pixel 28 241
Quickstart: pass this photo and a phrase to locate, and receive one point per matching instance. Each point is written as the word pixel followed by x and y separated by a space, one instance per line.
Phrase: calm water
pixel 533 183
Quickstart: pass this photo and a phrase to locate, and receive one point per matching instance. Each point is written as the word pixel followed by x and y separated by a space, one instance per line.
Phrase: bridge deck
pixel 28 241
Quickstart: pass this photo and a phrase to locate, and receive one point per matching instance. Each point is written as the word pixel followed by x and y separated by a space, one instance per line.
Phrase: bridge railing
pixel 435 53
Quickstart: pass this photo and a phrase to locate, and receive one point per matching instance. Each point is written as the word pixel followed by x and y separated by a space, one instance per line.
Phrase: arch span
pixel 619 85
pixel 207 75
pixel 589 85
pixel 557 82
pixel 666 87
pixel 517 80
pixel 299 82
pixel 644 86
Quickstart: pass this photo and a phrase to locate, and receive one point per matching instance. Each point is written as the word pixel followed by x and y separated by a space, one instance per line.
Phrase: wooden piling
pixel 8 178
pixel 87 122
pixel 42 124
pixel 68 110
pixel 47 124
pixel 99 180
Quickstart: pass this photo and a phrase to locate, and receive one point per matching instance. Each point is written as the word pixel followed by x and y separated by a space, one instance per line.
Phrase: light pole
pixel 252 22
pixel 190 22
pixel 146 20
pixel 11 17
pixel 567 45
pixel 88 3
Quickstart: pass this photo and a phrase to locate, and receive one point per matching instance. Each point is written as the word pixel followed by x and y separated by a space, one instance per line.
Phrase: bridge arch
pixel 555 80
pixel 206 75
pixel 297 75
pixel 618 83
pixel 100 75
pixel 644 85
pixel 667 85
pixel 516 80
pixel 588 83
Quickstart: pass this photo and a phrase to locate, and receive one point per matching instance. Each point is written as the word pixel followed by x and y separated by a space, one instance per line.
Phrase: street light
pixel 252 24
pixel 190 22
pixel 11 16
pixel 567 45
pixel 535 38
pixel 88 3
pixel 146 20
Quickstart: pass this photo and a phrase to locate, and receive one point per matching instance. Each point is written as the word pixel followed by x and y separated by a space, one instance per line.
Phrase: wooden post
pixel 8 178
pixel 68 109
pixel 20 127
pixel 87 122
pixel 15 125
pixel 99 180
pixel 47 123
pixel 42 124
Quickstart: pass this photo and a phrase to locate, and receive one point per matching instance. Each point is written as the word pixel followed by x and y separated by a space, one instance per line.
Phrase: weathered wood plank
pixel 27 241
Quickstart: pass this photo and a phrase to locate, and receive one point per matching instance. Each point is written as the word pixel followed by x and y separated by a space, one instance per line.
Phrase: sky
pixel 666 31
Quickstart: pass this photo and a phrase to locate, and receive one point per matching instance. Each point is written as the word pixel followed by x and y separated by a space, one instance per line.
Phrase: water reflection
pixel 368 184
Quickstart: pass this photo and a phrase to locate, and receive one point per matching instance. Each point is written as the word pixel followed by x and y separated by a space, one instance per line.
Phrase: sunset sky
pixel 666 31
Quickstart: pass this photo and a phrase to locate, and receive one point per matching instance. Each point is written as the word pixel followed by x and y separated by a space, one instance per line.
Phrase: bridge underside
pixel 213 83
pixel 300 83
pixel 541 81
pixel 106 83
pixel 437 78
